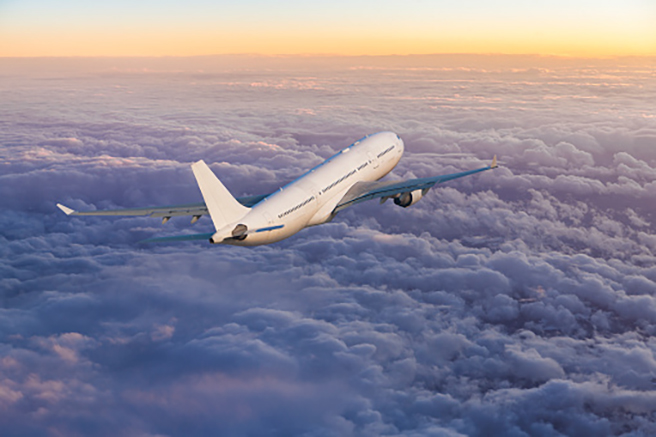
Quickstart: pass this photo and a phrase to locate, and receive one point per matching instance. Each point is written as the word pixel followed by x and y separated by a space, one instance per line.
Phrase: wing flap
pixel 156 211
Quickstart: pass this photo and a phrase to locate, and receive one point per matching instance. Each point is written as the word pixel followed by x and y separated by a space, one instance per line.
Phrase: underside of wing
pixel 363 191
pixel 188 209
pixel 156 211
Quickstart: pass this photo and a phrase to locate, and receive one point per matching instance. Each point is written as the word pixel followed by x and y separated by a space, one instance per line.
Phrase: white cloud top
pixel 518 302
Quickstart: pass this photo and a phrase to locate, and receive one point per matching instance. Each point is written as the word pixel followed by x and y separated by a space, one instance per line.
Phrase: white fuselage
pixel 311 199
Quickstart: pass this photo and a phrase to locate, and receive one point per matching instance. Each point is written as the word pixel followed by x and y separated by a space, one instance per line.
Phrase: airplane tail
pixel 224 209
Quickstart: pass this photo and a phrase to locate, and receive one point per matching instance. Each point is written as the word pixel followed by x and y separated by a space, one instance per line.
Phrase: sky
pixel 517 302
pixel 588 28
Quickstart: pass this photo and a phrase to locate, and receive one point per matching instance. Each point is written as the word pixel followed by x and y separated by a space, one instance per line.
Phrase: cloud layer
pixel 518 302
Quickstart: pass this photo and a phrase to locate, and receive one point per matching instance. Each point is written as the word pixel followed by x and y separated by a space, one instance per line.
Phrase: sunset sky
pixel 355 27
pixel 520 301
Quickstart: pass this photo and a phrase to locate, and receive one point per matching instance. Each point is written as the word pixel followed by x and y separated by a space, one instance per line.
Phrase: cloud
pixel 516 302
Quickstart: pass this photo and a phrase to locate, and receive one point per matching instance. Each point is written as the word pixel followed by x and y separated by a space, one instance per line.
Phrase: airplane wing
pixel 166 212
pixel 363 191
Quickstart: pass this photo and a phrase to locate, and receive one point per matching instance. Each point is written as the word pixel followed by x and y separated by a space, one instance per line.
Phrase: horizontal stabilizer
pixel 174 238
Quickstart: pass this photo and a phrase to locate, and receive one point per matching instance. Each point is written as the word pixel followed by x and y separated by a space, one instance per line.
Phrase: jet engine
pixel 409 198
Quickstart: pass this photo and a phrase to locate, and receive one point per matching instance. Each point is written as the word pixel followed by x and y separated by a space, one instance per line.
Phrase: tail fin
pixel 223 208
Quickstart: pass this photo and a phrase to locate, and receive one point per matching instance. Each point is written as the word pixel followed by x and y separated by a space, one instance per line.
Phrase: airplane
pixel 347 178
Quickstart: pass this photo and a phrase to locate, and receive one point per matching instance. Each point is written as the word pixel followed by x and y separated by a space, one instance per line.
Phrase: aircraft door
pixel 316 193
pixel 373 160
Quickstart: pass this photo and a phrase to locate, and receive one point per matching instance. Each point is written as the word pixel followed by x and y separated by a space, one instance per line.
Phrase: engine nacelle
pixel 409 198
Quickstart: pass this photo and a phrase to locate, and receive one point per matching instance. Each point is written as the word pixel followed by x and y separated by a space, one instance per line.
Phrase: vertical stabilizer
pixel 223 208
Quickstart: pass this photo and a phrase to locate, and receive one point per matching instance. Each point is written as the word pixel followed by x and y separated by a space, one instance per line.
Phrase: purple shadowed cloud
pixel 518 302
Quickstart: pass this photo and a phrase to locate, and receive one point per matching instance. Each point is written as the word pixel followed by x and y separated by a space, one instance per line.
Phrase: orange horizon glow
pixel 70 45
pixel 606 31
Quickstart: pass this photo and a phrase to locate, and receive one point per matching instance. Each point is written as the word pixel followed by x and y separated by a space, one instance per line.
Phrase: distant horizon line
pixel 328 55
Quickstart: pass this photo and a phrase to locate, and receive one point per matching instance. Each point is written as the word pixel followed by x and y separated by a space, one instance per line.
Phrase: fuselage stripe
pixel 270 228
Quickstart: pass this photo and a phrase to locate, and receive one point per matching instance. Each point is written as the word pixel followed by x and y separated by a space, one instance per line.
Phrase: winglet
pixel 66 209
pixel 494 162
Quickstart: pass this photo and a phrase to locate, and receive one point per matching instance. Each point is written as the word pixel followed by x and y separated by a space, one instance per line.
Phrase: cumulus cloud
pixel 520 301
